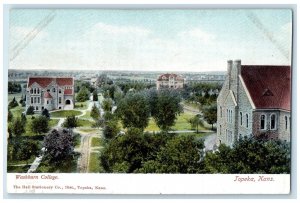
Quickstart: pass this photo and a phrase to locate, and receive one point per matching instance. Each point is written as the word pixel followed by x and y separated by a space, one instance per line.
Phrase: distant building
pixel 50 93
pixel 254 101
pixel 169 81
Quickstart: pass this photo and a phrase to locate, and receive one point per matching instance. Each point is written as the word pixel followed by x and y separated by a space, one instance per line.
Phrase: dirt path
pixel 83 161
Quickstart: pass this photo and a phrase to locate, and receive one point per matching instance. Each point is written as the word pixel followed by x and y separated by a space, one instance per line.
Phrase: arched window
pixel 262 122
pixel 38 90
pixel 34 90
pixel 34 99
pixel 286 122
pixel 273 122
pixel 247 120
pixel 31 91
pixel 53 90
pixel 241 118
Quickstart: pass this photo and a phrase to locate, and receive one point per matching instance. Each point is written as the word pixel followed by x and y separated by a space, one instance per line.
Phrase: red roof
pixel 45 81
pixel 268 86
pixel 168 75
pixel 47 95
pixel 68 92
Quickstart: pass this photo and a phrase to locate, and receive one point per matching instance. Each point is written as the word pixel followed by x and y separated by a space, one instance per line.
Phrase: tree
pixel 210 114
pixel 17 127
pixel 182 154
pixel 59 146
pixel 14 87
pixel 30 110
pixel 23 119
pixel 95 96
pixel 71 122
pixel 111 129
pixel 107 104
pixel 83 94
pixel 46 113
pixel 98 123
pixel 9 116
pixel 95 113
pixel 134 111
pixel 13 103
pixel 249 155
pixel 40 125
pixel 196 121
pixel 166 108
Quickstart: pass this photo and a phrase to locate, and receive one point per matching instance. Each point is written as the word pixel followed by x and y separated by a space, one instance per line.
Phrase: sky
pixel 148 40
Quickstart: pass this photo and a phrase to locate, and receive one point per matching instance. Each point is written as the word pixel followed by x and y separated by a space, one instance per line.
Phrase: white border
pixel 212 3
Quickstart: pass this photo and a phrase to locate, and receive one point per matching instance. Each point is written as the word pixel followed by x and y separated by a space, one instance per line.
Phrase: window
pixel 247 120
pixel 220 129
pixel 32 100
pixel 47 101
pixel 37 108
pixel 38 100
pixel 273 122
pixel 53 90
pixel 34 91
pixel 241 118
pixel 38 90
pixel 59 100
pixel 262 122
pixel 286 122
pixel 48 90
pixel 31 91
pixel 221 111
pixel 59 91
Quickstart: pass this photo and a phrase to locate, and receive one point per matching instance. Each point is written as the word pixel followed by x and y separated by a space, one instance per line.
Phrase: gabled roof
pixel 167 76
pixel 268 86
pixel 45 81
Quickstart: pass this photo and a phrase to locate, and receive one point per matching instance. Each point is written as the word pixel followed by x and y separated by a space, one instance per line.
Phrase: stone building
pixel 170 81
pixel 50 93
pixel 255 100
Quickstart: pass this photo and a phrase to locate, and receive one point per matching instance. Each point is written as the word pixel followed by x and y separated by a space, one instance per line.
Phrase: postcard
pixel 149 101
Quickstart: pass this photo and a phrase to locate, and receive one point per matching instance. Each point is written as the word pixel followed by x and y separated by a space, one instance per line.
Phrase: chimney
pixel 229 68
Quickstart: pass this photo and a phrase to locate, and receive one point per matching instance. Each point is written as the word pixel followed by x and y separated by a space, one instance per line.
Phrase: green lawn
pixel 17 111
pixel 94 163
pixel 86 115
pixel 18 169
pixel 53 122
pixel 84 123
pixel 192 105
pixel 180 124
pixel 96 142
pixel 81 105
pixel 65 113
pixel 77 140
pixel 90 130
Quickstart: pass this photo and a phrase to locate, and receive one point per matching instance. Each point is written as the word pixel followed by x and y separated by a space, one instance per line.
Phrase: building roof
pixel 47 95
pixel 45 81
pixel 268 86
pixel 68 92
pixel 168 75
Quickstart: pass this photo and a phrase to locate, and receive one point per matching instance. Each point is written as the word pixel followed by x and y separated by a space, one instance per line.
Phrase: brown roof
pixel 168 75
pixel 68 91
pixel 47 95
pixel 268 86
pixel 45 81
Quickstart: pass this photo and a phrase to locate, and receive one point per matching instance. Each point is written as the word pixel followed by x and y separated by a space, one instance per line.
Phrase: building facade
pixel 254 101
pixel 169 81
pixel 50 93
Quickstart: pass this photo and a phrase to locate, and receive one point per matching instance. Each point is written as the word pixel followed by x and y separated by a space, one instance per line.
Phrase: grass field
pixel 53 122
pixel 81 105
pixel 96 142
pixel 180 124
pixel 94 163
pixel 84 123
pixel 90 130
pixel 17 111
pixel 65 113
pixel 16 95
pixel 86 115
